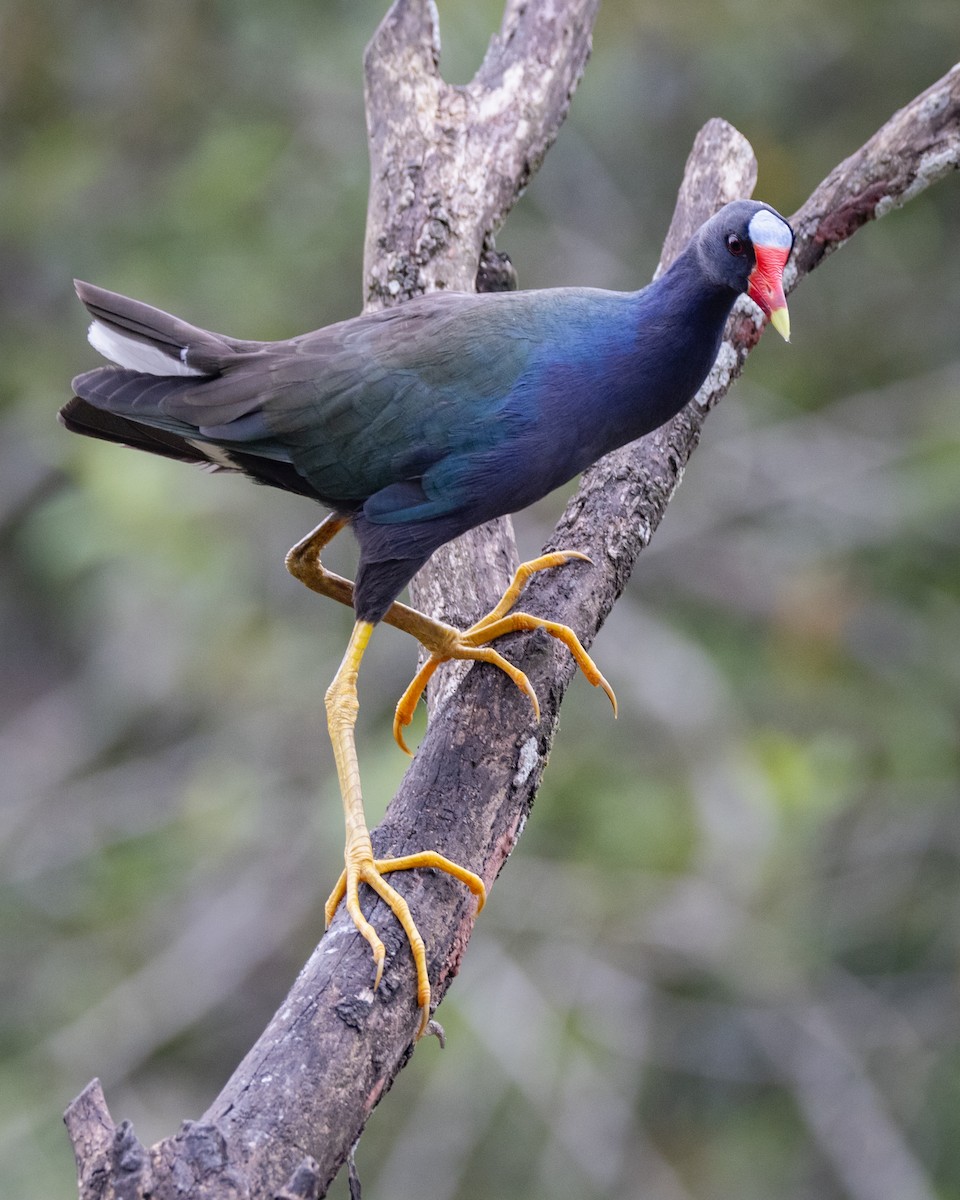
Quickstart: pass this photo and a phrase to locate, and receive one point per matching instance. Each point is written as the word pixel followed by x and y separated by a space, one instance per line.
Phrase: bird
pixel 416 423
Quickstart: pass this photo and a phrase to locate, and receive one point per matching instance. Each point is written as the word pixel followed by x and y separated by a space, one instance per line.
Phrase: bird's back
pixel 447 403
pixel 367 402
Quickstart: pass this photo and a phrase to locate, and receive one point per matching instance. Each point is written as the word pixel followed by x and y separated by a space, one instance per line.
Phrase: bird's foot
pixel 472 643
pixel 362 867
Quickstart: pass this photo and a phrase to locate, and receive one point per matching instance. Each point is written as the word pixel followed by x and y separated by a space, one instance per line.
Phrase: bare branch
pixel 916 147
pixel 448 163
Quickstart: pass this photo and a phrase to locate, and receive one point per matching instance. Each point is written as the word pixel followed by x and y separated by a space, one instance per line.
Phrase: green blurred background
pixel 723 961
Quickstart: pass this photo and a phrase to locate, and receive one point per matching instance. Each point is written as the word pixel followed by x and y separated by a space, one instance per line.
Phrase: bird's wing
pixel 380 400
pixel 400 409
pixel 353 408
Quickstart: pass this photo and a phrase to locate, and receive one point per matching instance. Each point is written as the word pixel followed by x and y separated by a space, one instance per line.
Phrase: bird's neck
pixel 620 365
pixel 695 308
pixel 679 321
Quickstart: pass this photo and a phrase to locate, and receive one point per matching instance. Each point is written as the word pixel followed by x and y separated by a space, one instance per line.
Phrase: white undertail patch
pixel 134 354
pixel 218 457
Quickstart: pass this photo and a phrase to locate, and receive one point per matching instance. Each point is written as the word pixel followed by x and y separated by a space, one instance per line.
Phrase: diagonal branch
pixel 915 148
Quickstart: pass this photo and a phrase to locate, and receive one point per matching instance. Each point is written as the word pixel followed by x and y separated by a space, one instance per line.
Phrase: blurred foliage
pixel 723 961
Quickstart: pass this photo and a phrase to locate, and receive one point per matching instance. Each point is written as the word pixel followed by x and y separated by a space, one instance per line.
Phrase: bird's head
pixel 746 246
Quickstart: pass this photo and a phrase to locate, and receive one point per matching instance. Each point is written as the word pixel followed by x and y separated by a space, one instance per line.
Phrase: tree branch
pixel 915 148
pixel 286 1120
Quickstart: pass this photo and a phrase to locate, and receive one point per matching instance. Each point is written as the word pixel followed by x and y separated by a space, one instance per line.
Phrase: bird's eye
pixel 736 245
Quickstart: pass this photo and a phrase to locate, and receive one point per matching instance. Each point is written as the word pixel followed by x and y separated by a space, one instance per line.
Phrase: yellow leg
pixel 444 643
pixel 361 866
pixel 303 562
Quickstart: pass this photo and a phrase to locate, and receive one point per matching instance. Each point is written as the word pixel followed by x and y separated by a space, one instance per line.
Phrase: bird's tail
pixel 172 393
pixel 157 356
pixel 80 416
pixel 141 338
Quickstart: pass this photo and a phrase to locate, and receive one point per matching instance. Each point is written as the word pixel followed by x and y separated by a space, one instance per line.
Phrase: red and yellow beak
pixel 765 285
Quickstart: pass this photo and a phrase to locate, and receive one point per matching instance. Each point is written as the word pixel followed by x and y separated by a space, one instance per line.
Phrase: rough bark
pixel 288 1117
